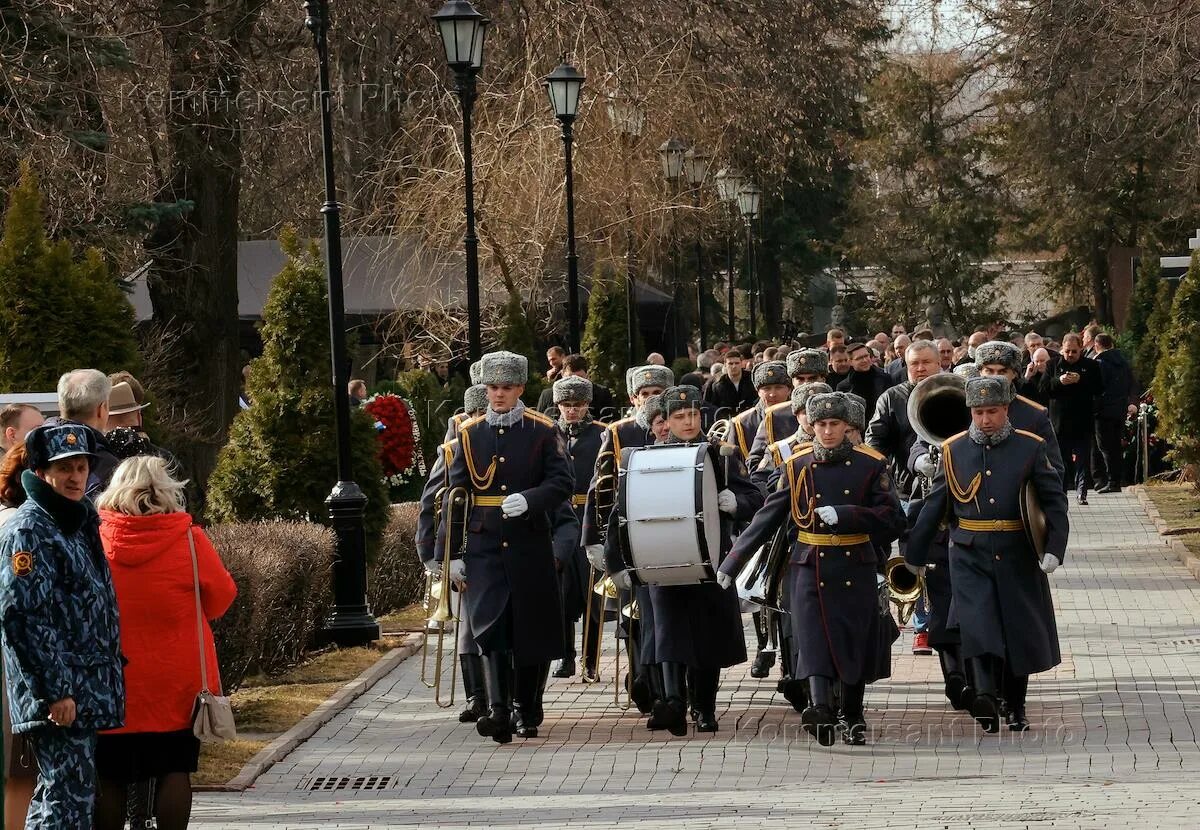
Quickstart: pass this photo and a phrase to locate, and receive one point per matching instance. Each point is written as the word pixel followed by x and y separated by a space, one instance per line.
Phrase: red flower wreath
pixel 399 447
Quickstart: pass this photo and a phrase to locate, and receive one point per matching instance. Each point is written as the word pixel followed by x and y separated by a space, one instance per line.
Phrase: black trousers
pixel 1077 461
pixel 1108 459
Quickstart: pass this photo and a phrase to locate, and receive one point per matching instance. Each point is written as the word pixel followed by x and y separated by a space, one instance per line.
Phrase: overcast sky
pixel 936 24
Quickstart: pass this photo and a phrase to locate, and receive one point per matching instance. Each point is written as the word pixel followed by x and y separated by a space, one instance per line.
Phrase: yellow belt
pixel 991 525
pixel 832 538
pixel 487 501
pixel 579 499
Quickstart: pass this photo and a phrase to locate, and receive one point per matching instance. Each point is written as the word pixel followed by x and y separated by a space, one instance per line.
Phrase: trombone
pixel 441 617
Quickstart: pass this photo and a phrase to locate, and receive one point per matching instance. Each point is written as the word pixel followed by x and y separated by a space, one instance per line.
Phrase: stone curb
pixel 282 746
pixel 1189 559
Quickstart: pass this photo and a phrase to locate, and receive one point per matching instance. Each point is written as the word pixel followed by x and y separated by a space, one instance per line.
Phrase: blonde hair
pixel 143 486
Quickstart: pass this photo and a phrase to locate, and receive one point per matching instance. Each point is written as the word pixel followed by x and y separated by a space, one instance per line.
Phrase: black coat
pixel 576 571
pixel 744 427
pixel 513 594
pixel 1119 386
pixel 1073 405
pixel 890 434
pixel 868 385
pixel 1001 599
pixel 1033 417
pixel 838 627
pixel 729 399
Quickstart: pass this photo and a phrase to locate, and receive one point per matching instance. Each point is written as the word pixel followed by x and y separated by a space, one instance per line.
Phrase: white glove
pixel 458 570
pixel 432 566
pixel 724 579
pixel 915 570
pixel 595 555
pixel 623 580
pixel 727 502
pixel 925 466
pixel 1050 563
pixel 828 515
pixel 514 505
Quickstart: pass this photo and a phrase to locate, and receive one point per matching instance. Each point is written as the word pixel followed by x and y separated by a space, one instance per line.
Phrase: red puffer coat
pixel 152 573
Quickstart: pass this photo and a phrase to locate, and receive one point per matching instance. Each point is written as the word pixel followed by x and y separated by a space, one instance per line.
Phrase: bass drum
pixel 667 513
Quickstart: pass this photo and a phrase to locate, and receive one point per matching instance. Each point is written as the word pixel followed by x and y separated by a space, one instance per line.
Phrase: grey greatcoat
pixel 701 625
pixel 512 585
pixel 833 592
pixel 778 423
pixel 1001 599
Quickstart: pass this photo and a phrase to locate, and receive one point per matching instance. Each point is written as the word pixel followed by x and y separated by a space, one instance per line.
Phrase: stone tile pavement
pixel 1114 737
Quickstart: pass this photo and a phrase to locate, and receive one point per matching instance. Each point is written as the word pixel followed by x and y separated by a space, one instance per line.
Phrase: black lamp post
pixel 563 86
pixel 695 169
pixel 351 623
pixel 463 30
pixel 629 119
pixel 729 182
pixel 671 153
pixel 749 198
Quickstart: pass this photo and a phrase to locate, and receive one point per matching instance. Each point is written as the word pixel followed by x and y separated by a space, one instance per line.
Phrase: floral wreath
pixel 399 438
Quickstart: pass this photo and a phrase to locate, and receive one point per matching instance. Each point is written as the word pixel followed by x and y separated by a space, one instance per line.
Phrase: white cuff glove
pixel 915 570
pixel 724 579
pixel 1050 563
pixel 623 580
pixel 925 466
pixel 514 505
pixel 595 555
pixel 458 570
pixel 432 566
pixel 727 502
pixel 828 515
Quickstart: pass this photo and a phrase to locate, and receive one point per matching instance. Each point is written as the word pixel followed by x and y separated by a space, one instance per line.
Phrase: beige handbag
pixel 213 720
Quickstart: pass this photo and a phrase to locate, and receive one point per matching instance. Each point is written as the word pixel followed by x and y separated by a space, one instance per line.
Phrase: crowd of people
pixel 1038 412
pixel 101 572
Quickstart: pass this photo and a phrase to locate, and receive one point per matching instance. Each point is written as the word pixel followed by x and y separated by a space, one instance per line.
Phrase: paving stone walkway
pixel 1114 738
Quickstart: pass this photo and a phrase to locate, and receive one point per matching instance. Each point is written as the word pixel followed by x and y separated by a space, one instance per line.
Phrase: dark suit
pixel 1072 414
pixel 728 398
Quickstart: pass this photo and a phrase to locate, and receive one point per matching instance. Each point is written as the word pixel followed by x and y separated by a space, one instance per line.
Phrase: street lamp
pixel 350 623
pixel 729 182
pixel 563 86
pixel 695 170
pixel 749 197
pixel 671 152
pixel 463 31
pixel 629 119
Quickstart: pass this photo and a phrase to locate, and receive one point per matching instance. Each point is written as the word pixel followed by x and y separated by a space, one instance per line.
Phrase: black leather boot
pixel 819 718
pixel 566 666
pixel 670 712
pixel 498 672
pixel 640 691
pixel 954 676
pixel 475 687
pixel 853 723
pixel 1015 689
pixel 705 683
pixel 528 713
pixel 985 708
pixel 765 658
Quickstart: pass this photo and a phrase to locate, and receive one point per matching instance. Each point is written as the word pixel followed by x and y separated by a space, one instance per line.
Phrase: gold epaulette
pixel 615 425
pixel 801 450
pixel 870 452
pixel 1032 403
pixel 470 422
pixel 544 420
pixel 1029 434
pixel 448 451
pixel 776 406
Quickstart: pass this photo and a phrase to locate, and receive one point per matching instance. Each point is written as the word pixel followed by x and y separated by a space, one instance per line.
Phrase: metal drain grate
pixel 346 782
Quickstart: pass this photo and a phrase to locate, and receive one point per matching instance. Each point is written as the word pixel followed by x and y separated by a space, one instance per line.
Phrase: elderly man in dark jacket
pixel 58 609
pixel 1075 382
pixel 1118 400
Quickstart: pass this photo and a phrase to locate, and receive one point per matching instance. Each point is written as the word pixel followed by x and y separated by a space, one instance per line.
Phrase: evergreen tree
pixel 1177 379
pixel 57 312
pixel 281 459
pixel 1141 307
pixel 516 336
pixel 605 333
pixel 1149 348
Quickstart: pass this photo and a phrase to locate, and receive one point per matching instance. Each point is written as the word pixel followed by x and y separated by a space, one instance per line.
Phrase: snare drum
pixel 667 513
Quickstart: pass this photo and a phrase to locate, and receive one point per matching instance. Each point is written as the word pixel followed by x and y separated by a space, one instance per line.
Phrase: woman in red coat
pixel 145 532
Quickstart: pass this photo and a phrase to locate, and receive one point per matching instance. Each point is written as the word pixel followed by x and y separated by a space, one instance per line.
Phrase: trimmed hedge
pixel 397 579
pixel 282 571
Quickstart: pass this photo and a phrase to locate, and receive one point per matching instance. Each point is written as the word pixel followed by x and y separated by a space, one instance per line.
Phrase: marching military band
pixel 672 532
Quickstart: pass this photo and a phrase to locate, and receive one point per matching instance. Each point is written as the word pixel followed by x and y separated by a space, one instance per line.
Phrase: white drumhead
pixel 658 497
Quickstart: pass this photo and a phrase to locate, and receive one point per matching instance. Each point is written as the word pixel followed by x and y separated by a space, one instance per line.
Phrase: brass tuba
pixel 719 431
pixel 937 408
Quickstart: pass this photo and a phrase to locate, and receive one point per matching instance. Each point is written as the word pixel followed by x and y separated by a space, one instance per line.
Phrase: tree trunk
pixel 193 277
pixel 1101 290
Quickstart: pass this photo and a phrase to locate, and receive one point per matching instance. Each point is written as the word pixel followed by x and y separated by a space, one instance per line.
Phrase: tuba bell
pixel 904 588
pixel 937 408
pixel 719 431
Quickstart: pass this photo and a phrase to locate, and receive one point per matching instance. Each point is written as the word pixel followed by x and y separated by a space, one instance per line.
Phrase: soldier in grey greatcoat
pixel 1001 600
